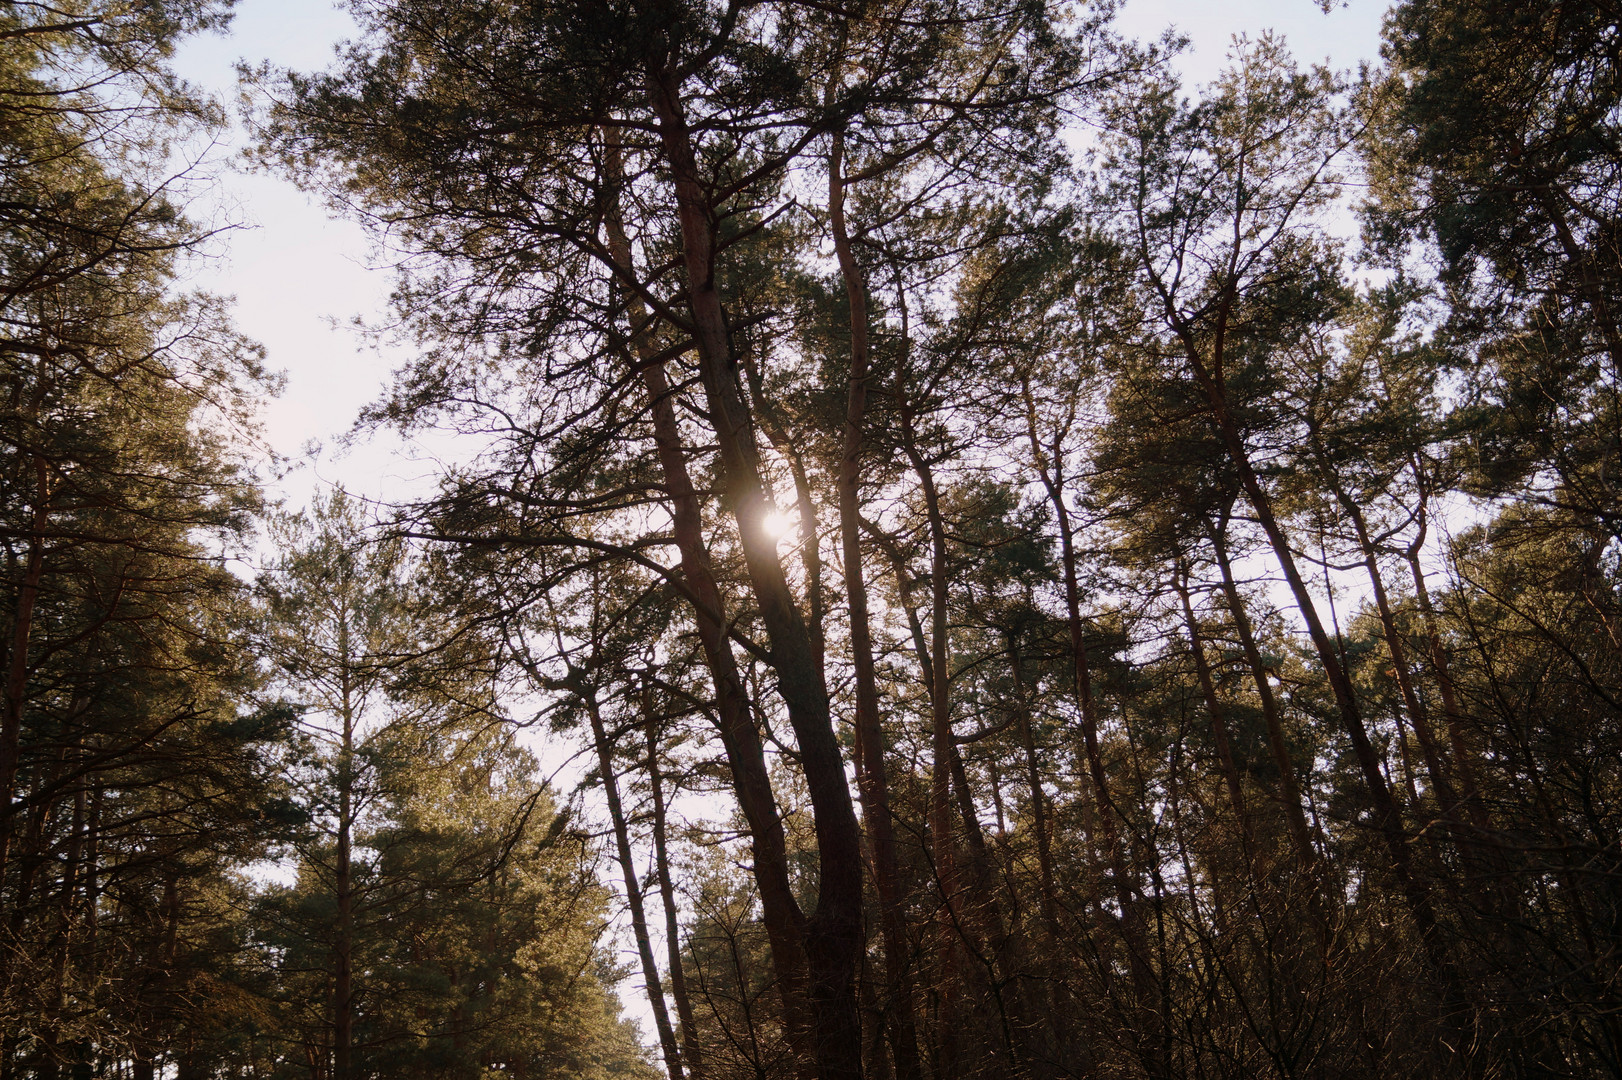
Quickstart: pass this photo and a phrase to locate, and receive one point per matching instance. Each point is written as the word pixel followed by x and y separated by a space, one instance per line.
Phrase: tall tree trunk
pixel 1388 818
pixel 22 623
pixel 833 933
pixel 970 912
pixel 1060 1006
pixel 746 757
pixel 1039 799
pixel 976 919
pixel 804 502
pixel 942 829
pixel 1463 754
pixel 55 1010
pixel 1111 820
pixel 872 774
pixel 1417 715
pixel 1219 720
pixel 985 922
pixel 343 988
pixel 1289 788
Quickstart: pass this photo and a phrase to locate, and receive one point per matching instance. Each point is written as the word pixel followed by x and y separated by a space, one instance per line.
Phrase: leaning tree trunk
pixel 1289 787
pixel 1388 818
pixel 1417 714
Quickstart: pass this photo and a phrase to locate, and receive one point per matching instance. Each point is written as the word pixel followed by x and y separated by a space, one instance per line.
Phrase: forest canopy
pixel 1044 571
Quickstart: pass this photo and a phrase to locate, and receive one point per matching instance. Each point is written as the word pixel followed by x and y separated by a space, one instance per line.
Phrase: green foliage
pixel 477 936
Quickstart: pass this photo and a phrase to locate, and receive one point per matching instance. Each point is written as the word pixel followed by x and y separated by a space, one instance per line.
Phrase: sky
pixel 301 276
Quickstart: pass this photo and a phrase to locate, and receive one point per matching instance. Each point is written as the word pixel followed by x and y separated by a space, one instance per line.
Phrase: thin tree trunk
pixel 1039 799
pixel 633 887
pixel 1289 794
pixel 1219 720
pixel 1459 743
pixel 942 830
pixel 1388 625
pixel 1111 820
pixel 1060 1006
pixel 62 946
pixel 691 1053
pixel 1388 818
pixel 343 990
pixel 17 660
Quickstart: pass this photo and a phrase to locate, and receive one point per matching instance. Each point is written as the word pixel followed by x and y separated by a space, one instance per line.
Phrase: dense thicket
pixel 1034 594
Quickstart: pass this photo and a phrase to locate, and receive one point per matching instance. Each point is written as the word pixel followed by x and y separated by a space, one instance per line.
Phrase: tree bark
pixel 833 933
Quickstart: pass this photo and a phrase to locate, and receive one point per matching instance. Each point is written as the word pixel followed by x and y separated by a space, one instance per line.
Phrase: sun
pixel 777 525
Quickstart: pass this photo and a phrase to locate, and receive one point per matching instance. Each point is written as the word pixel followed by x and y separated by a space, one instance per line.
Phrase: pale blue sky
pixel 300 277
